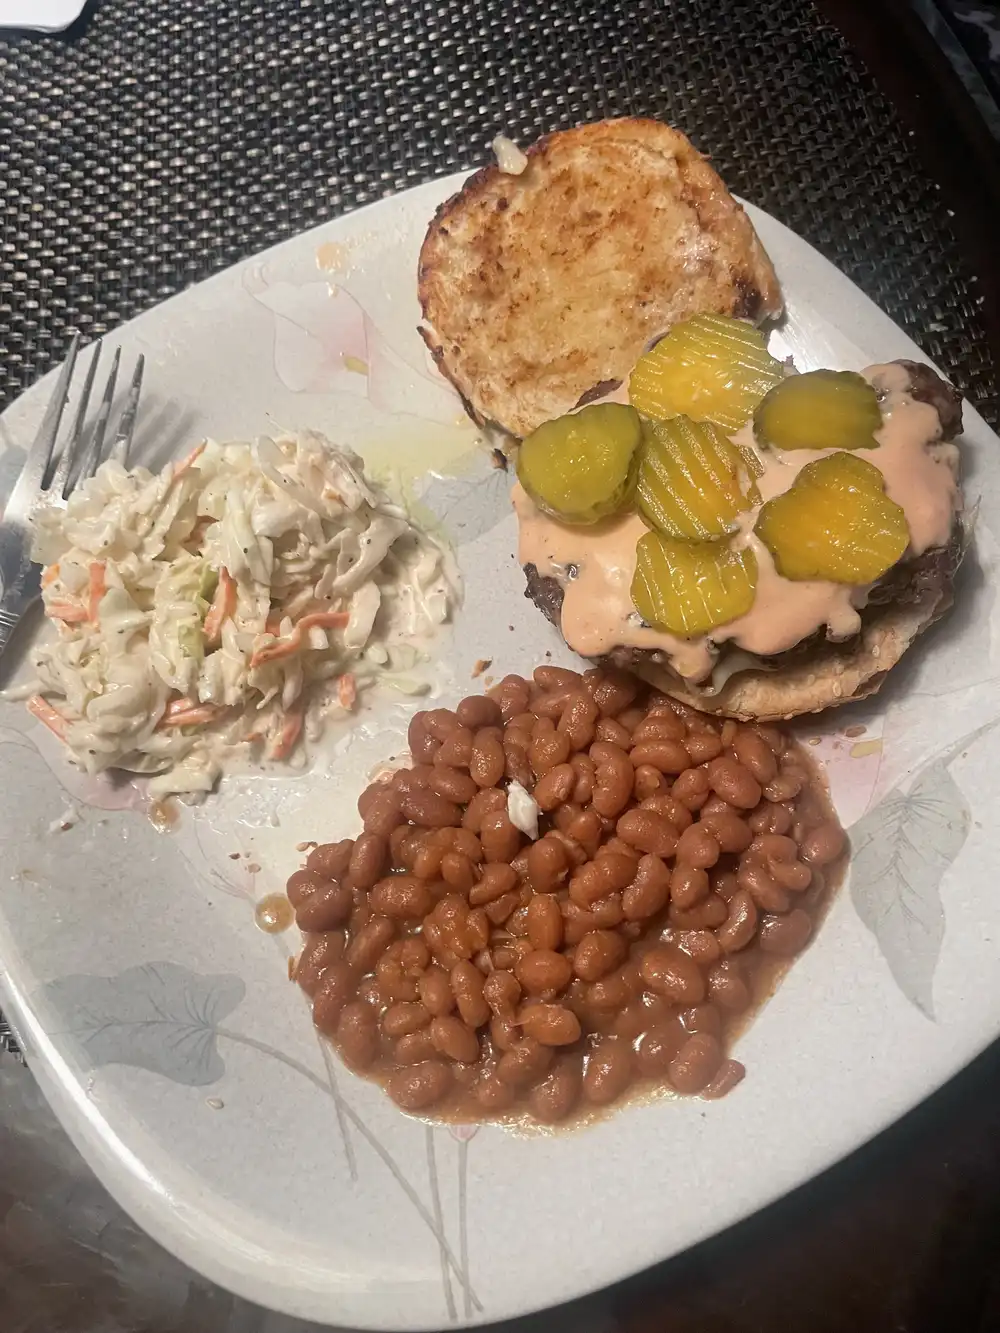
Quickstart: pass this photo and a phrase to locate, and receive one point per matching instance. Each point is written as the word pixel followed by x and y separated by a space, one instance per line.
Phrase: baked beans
pixel 681 862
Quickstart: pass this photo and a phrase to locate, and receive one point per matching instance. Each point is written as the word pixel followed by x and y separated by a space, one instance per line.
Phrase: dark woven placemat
pixel 160 142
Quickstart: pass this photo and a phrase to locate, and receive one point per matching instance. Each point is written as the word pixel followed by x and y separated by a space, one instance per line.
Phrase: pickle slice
pixel 689 588
pixel 709 367
pixel 581 467
pixel 692 480
pixel 821 409
pixel 835 522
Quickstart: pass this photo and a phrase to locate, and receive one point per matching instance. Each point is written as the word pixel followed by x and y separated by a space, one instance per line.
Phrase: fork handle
pixel 12 612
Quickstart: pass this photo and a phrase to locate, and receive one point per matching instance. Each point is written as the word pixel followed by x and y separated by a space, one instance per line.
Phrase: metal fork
pixel 50 476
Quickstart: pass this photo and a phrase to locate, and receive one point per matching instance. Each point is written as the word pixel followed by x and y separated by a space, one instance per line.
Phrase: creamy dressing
pixel 595 565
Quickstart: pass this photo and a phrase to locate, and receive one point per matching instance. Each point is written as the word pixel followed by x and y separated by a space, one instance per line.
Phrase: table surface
pixel 903 1235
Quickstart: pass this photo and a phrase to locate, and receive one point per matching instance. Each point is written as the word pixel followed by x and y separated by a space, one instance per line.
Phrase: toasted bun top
pixel 535 288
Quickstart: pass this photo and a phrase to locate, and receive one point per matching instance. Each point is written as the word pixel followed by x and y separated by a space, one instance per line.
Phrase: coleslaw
pixel 222 601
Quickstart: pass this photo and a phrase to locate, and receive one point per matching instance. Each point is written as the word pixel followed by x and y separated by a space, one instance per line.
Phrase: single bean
pixel 325 909
pixel 453 784
pixel 701 945
pixel 487 760
pixel 484 803
pixel 753 876
pixel 658 727
pixel 785 936
pixel 401 897
pixel 754 753
pixel 587 831
pixel 555 786
pixel 598 953
pixel 727 988
pixel 414 1047
pixel 734 782
pixel 658 1047
pixel 384 813
pixel 697 847
pixel 479 928
pixel 331 859
pixel 785 786
pixel 612 690
pixel 548 863
pixel 421 1085
pixel 608 1071
pixel 607 912
pixel 500 909
pixel 822 844
pixel 492 1094
pixel 688 886
pixel 338 986
pixel 703 746
pixel 457 872
pixel 556 1096
pixel 501 840
pixel 729 1075
pixel 303 884
pixel 544 922
pixel 556 678
pixel 691 788
pixel 649 890
pixel 427 808
pixel 732 833
pixel 586 778
pixel 673 974
pixel 440 722
pixel 391 981
pixel 667 756
pixel 615 777
pixel 370 941
pixel 319 953
pixel 706 915
pixel 525 1062
pixel 737 931
pixel 696 1063
pixel 357 1035
pixel 702 1018
pixel 422 744
pixel 453 1038
pixel 456 750
pixel 579 720
pixel 496 879
pixel 368 860
pixel 502 992
pixel 404 1017
pixel 648 832
pixel 550 1024
pixel 478 710
pixel 467 983
pixel 435 991
pixel 610 729
pixel 543 972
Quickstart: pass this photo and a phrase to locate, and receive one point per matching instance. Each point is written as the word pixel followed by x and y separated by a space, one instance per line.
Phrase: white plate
pixel 159 1019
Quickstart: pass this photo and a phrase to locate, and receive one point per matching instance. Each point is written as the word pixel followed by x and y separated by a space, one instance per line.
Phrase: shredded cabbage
pixel 208 606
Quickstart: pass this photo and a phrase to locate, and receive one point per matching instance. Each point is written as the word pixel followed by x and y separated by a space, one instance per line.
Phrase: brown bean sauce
pixel 682 863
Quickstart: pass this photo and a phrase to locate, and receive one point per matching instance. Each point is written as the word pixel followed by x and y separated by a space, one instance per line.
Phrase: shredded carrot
pixel 49 716
pixel 96 589
pixel 186 464
pixel 288 735
pixel 274 652
pixel 347 692
pixel 67 612
pixel 50 574
pixel 179 705
pixel 223 606
pixel 195 715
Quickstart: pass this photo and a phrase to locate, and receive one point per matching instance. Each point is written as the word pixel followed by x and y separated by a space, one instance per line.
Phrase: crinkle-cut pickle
pixel 820 409
pixel 692 480
pixel 709 368
pixel 690 588
pixel 580 468
pixel 835 523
